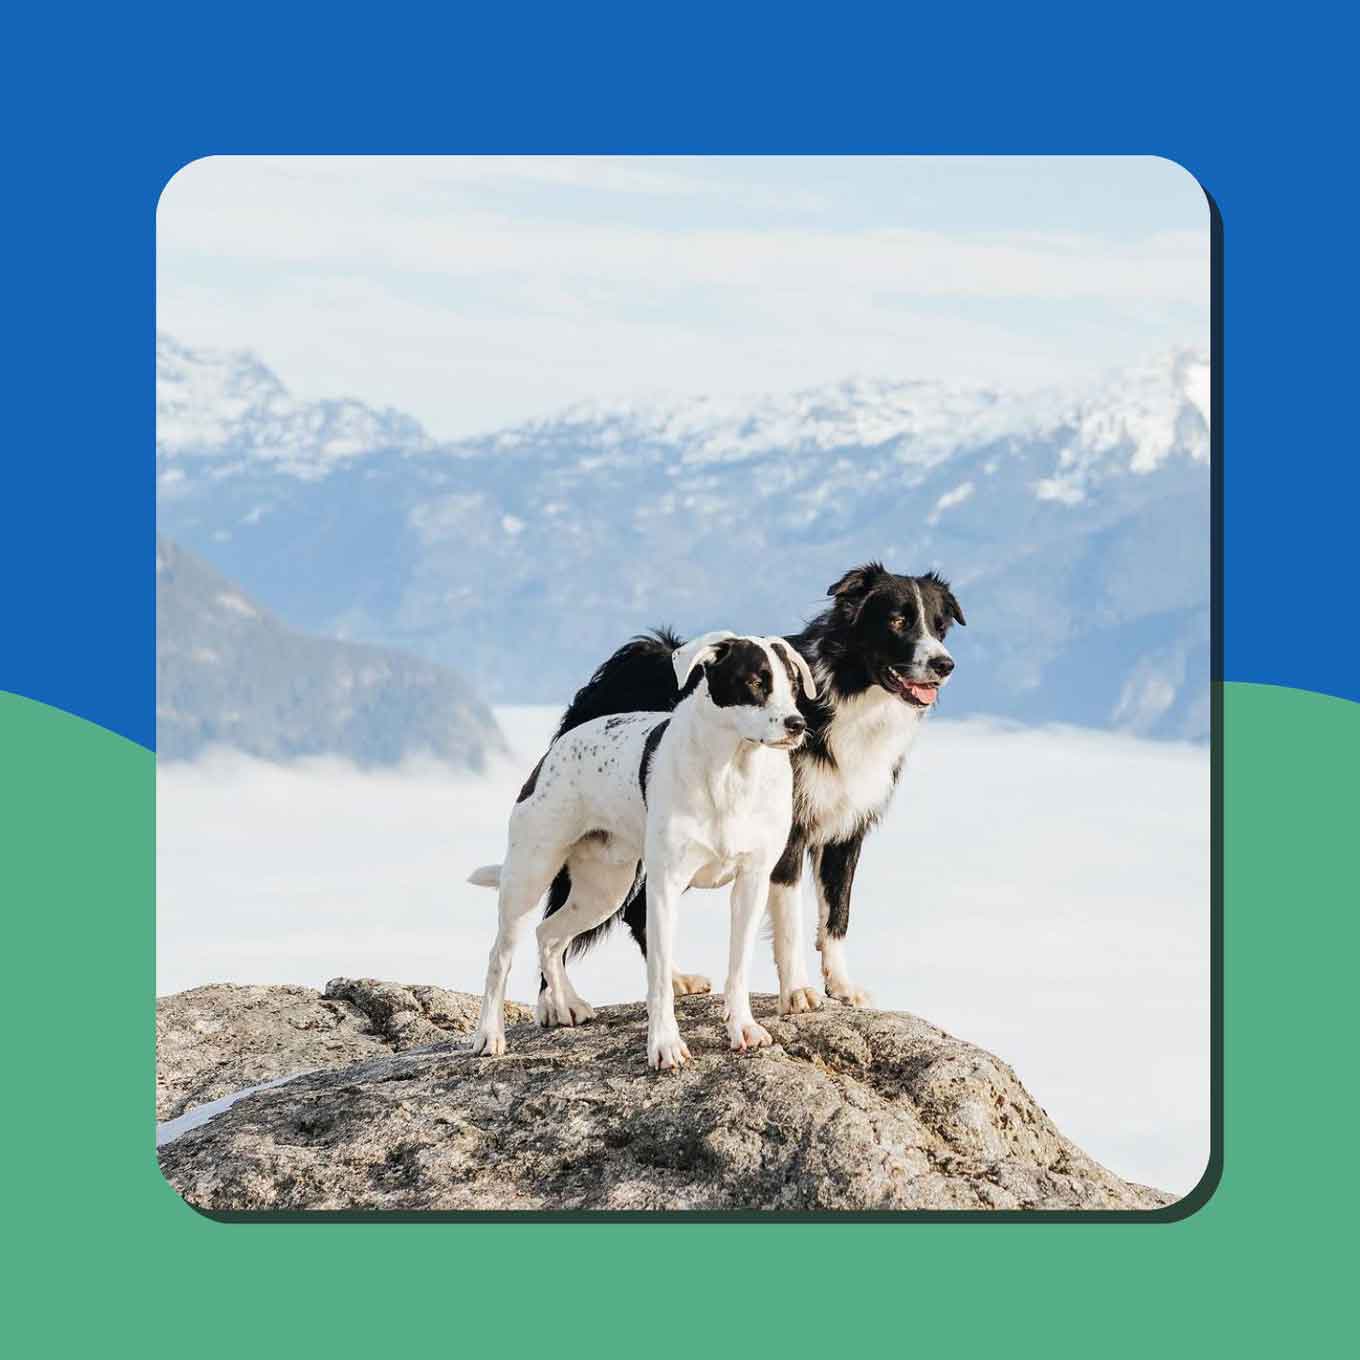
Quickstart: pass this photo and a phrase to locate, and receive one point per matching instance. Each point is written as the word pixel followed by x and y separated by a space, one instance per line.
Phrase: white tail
pixel 488 876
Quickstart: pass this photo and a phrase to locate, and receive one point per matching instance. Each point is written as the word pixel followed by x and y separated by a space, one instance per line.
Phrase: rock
pixel 850 1110
pixel 212 1041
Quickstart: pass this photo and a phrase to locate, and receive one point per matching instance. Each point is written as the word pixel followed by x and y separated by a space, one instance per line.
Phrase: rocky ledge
pixel 849 1110
pixel 212 1041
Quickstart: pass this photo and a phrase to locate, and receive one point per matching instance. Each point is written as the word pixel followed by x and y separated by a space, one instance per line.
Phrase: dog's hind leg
pixel 524 879
pixel 690 984
pixel 558 895
pixel 597 889
pixel 635 916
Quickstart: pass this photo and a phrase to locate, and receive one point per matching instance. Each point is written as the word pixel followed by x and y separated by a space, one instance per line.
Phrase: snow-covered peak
pixel 924 421
pixel 229 407
pixel 204 395
pixel 1132 422
pixel 1127 422
pixel 226 403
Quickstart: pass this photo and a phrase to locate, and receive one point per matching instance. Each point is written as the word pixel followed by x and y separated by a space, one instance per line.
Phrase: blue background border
pixel 103 108
pixel 100 109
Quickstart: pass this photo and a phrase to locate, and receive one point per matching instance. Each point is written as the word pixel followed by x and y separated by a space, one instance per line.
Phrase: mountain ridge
pixel 1074 524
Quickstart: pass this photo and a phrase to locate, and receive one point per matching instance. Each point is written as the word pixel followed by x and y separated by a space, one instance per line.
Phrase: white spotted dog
pixel 703 794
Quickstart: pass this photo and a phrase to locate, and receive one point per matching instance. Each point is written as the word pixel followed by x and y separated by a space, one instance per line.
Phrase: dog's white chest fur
pixel 870 737
pixel 729 813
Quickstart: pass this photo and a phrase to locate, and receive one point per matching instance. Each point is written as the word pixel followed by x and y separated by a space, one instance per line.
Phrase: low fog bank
pixel 1043 892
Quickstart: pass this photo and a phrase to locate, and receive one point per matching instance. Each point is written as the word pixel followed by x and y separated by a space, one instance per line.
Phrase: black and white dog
pixel 701 792
pixel 879 659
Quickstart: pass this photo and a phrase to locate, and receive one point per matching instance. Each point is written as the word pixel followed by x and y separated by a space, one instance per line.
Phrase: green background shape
pixel 104 1253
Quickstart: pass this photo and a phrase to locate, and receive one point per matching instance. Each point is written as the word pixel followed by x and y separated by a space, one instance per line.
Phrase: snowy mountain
pixel 229 673
pixel 224 407
pixel 1075 525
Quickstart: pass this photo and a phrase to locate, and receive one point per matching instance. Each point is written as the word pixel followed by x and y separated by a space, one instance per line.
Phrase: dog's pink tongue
pixel 923 694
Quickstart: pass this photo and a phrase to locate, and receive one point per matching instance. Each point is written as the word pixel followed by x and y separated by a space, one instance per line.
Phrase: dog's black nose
pixel 941 665
pixel 795 724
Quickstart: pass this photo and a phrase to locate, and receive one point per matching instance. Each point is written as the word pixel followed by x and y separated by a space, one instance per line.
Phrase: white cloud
pixel 429 182
pixel 478 291
pixel 315 225
pixel 1044 893
pixel 949 500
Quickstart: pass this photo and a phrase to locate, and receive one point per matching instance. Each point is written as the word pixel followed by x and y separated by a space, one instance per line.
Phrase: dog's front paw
pixel 838 989
pixel 666 1051
pixel 748 1035
pixel 690 984
pixel 799 999
pixel 490 1043
pixel 554 1009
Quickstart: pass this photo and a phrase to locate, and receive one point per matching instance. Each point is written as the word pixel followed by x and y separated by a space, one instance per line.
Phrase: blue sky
pixel 476 292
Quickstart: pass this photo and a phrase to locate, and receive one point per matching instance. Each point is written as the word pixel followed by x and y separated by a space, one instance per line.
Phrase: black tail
pixel 638 678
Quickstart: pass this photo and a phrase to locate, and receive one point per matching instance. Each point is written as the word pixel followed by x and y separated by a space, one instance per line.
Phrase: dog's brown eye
pixel 897 623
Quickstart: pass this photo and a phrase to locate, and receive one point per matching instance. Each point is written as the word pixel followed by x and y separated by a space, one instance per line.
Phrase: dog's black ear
pixel 951 605
pixel 858 581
